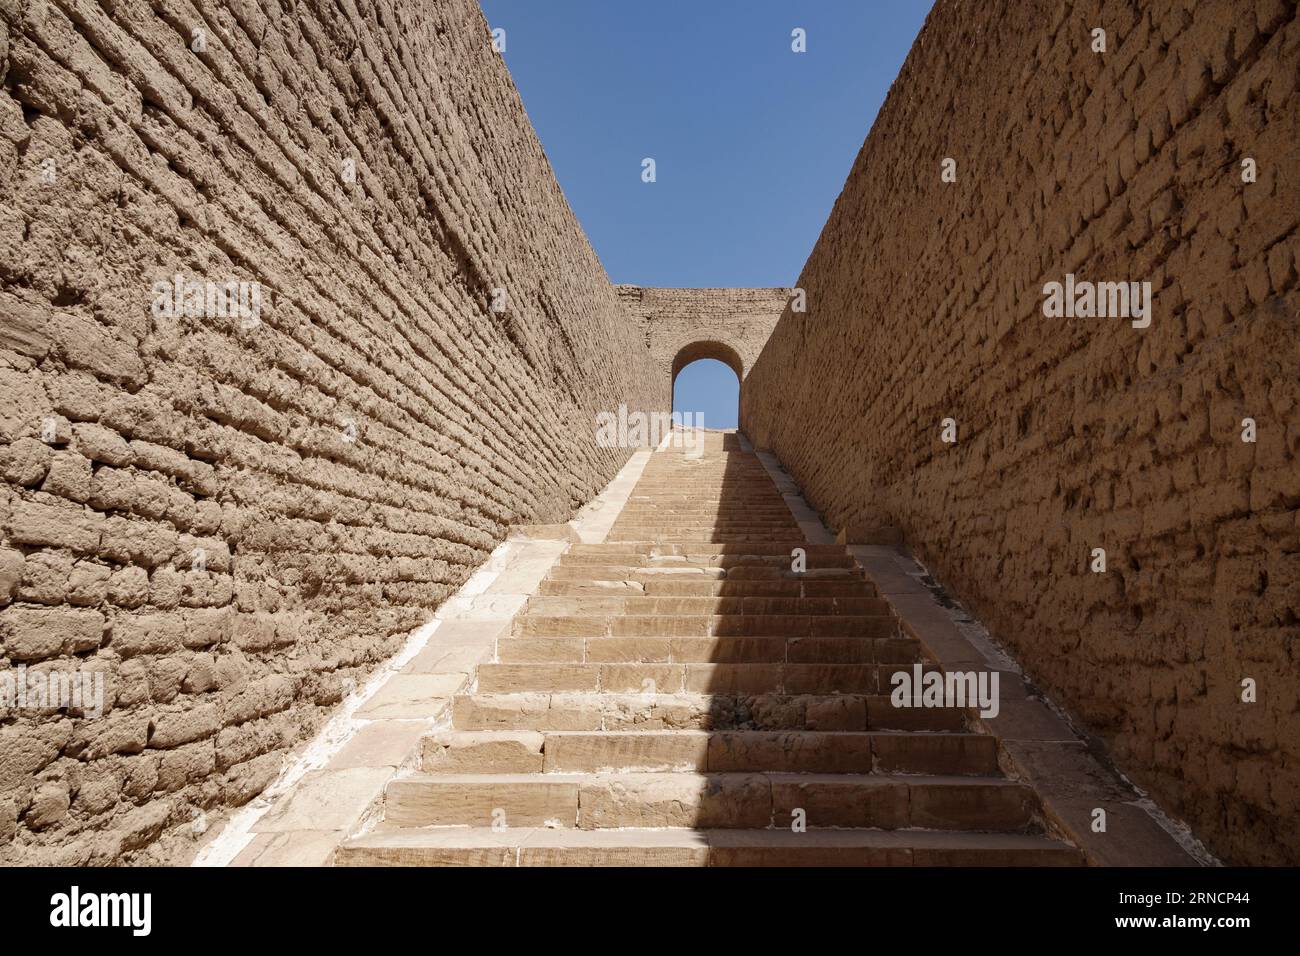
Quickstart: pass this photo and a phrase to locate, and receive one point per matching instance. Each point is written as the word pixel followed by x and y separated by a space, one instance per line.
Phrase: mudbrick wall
pixel 683 325
pixel 231 514
pixel 925 303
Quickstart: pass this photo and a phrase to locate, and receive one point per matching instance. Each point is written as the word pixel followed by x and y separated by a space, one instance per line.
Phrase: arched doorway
pixel 706 382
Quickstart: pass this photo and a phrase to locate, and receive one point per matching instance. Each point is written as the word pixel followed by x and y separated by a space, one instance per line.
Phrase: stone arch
pixel 683 325
pixel 706 350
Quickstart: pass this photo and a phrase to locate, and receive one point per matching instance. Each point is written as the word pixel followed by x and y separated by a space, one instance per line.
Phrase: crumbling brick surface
pixel 230 521
pixel 925 303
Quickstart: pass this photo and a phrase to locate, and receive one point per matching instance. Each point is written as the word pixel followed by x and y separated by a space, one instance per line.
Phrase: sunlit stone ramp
pixel 681 692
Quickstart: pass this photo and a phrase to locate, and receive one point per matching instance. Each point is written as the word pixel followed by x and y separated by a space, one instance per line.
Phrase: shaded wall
pixel 925 303
pixel 233 517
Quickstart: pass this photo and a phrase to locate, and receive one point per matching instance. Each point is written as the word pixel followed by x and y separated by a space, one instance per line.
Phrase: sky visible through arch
pixel 751 141
pixel 710 388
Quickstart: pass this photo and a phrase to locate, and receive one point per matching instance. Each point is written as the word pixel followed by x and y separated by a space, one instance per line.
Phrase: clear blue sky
pixel 751 141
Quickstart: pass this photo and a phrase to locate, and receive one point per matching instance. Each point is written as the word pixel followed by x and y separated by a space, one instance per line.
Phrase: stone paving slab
pixel 538 846
pixel 326 800
pixel 381 743
pixel 413 696
pixel 291 848
pixel 445 658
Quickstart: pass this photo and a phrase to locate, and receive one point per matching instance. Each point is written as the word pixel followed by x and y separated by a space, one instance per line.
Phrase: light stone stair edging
pixel 594 520
pixel 332 789
pixel 1037 745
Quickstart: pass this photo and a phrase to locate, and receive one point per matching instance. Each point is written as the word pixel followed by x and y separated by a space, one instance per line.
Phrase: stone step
pixel 693 539
pixel 720 476
pixel 708 650
pixel 675 498
pixel 592 801
pixel 705 625
pixel 670 586
pixel 714 711
pixel 764 549
pixel 723 474
pixel 776 567
pixel 595 587
pixel 706 678
pixel 741 514
pixel 796 587
pixel 713 492
pixel 711 501
pixel 528 846
pixel 781 562
pixel 484 751
pixel 720 500
pixel 704 556
pixel 564 751
pixel 776 529
pixel 597 605
pixel 781 527
pixel 702 573
pixel 680 533
pixel 686 533
pixel 768 501
pixel 712 513
pixel 728 510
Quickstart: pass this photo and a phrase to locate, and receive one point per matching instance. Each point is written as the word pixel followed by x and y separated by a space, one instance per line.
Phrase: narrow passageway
pixel 336 341
pixel 690 692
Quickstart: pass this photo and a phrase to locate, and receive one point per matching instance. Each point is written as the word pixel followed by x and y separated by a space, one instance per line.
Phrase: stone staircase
pixel 678 695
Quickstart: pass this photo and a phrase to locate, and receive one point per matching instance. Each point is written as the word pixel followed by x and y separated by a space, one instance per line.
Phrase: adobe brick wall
pixel 345 464
pixel 682 325
pixel 924 303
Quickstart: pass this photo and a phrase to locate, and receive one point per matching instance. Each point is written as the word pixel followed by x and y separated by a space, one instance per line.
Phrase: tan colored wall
pixel 173 435
pixel 683 325
pixel 924 303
